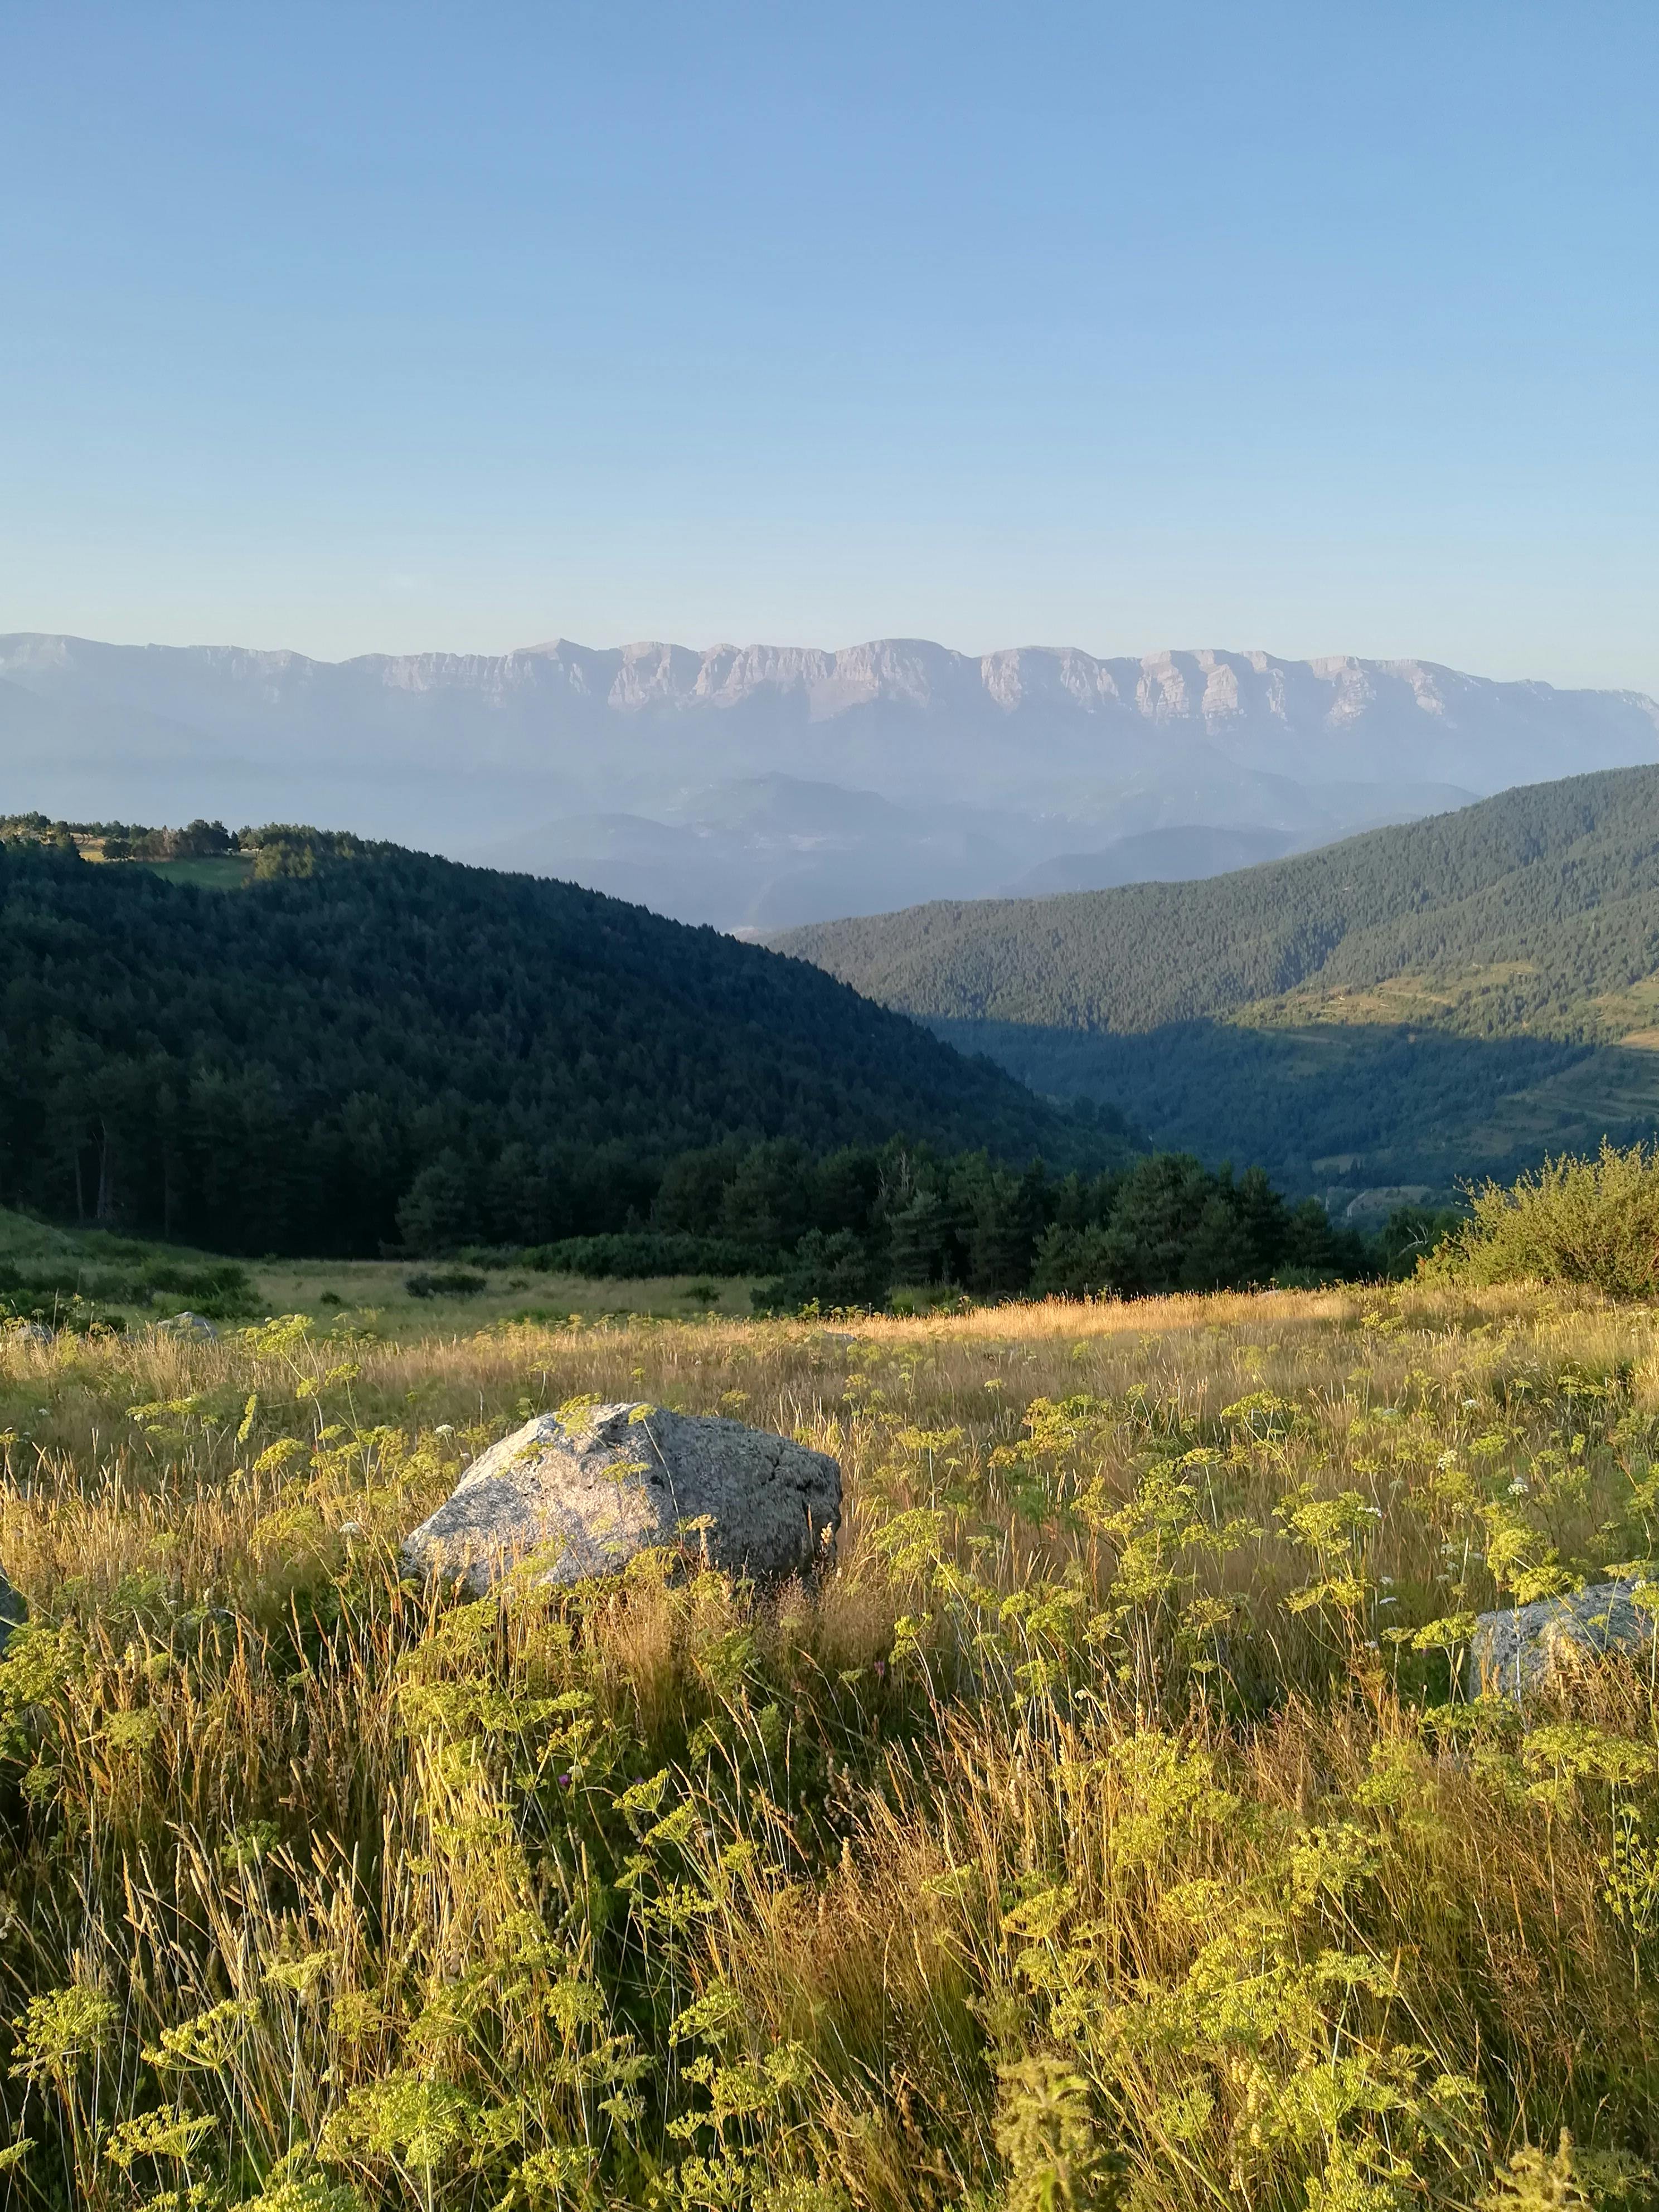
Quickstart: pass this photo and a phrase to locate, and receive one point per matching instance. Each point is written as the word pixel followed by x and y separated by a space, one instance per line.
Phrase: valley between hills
pixel 1385 1018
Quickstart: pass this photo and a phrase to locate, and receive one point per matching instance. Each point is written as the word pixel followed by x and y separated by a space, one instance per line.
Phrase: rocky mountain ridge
pixel 1213 686
pixel 633 768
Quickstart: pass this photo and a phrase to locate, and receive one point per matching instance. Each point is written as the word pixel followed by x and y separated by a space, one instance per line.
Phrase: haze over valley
pixel 761 787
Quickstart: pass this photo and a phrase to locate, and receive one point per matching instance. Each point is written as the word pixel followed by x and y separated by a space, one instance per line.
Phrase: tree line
pixel 853 1227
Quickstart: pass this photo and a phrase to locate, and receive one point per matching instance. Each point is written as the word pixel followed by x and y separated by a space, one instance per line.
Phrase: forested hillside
pixel 1406 1007
pixel 1557 884
pixel 354 1036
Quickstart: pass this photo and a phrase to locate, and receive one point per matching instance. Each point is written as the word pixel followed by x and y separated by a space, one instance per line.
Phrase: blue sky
pixel 1321 328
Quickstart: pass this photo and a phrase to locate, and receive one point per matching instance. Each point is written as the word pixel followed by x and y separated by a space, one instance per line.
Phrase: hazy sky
pixel 1316 327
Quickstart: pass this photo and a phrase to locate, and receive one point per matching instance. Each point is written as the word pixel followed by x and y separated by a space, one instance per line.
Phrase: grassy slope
pixel 1447 997
pixel 1064 1831
pixel 375 1292
pixel 231 873
pixel 226 871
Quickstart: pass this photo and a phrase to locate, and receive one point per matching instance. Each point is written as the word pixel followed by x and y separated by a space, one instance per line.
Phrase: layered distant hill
pixel 286 1050
pixel 1397 1010
pixel 757 786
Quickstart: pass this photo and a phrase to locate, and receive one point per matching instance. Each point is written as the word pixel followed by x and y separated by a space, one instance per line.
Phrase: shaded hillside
pixel 1364 1116
pixel 278 1067
pixel 1406 1007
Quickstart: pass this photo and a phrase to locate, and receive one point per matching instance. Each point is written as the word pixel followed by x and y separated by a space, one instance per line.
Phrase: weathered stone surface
pixel 1517 1651
pixel 28 1332
pixel 188 1324
pixel 13 1611
pixel 581 1499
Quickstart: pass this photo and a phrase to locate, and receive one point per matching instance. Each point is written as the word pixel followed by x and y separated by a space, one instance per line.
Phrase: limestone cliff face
pixel 1213 694
pixel 1207 693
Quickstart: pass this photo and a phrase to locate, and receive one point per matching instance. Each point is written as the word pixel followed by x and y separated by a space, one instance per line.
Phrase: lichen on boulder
pixel 578 1494
pixel 1521 1650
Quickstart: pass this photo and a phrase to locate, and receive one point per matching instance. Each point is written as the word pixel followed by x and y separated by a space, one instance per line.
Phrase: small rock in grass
pixel 581 1498
pixel 13 1611
pixel 187 1324
pixel 1520 1650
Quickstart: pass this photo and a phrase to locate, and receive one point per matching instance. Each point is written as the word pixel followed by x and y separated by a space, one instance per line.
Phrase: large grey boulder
pixel 1520 1650
pixel 580 1498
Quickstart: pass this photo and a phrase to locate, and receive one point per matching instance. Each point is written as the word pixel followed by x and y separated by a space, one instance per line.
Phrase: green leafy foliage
pixel 1595 1222
pixel 82 1287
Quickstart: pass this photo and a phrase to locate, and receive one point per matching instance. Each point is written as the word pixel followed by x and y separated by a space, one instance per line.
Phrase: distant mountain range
pixel 1385 1016
pixel 758 786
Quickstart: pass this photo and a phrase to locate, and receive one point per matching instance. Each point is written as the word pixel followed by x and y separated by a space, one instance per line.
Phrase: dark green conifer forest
pixel 365 1046
pixel 335 1048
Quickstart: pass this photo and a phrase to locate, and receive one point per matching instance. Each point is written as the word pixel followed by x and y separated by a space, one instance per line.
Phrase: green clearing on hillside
pixel 227 874
pixel 1446 999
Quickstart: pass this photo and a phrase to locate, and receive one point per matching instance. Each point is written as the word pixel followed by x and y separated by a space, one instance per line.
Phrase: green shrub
pixel 444 1283
pixel 637 1254
pixel 928 1299
pixel 1595 1222
pixel 41 1289
pixel 833 1272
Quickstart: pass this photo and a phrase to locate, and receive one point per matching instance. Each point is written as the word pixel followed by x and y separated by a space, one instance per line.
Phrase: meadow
pixel 1110 1826
pixel 78 1279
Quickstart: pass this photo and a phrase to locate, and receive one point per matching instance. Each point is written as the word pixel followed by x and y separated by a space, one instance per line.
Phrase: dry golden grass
pixel 1096 1832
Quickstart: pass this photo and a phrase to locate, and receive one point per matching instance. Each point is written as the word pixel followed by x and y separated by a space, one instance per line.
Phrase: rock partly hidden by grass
pixel 1107 1826
pixel 583 1491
